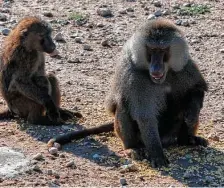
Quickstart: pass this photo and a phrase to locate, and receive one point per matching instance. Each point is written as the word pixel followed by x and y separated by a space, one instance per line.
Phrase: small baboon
pixel 27 90
pixel 156 95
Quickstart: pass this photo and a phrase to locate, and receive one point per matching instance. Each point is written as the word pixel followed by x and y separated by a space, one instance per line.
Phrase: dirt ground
pixel 84 80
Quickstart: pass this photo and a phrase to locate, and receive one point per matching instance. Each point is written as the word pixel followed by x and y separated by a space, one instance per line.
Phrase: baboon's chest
pixel 36 63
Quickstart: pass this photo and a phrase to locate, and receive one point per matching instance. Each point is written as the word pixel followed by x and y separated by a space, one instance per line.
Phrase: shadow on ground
pixel 191 166
pixel 88 147
pixel 196 166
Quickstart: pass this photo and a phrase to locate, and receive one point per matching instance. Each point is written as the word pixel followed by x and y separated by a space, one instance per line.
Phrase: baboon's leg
pixel 56 96
pixel 126 129
pixel 189 127
pixel 55 90
pixel 36 116
pixel 190 139
pixel 34 112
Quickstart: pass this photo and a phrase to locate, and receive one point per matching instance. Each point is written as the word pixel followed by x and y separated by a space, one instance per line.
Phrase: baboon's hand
pixel 52 111
pixel 54 115
pixel 193 141
pixel 157 160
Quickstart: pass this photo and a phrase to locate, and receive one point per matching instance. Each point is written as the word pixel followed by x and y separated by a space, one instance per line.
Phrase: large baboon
pixel 156 96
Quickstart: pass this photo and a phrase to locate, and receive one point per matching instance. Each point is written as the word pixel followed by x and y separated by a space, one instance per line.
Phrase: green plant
pixel 196 9
pixel 77 16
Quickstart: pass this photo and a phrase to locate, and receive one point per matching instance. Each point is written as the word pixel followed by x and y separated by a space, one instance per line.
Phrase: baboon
pixel 28 91
pixel 156 95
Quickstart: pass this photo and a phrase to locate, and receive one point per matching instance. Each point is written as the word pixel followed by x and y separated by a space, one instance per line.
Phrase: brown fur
pixel 13 41
pixel 29 92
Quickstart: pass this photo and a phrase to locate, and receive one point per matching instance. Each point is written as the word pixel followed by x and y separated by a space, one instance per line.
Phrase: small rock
pixel 124 11
pixel 48 14
pixel 222 50
pixel 49 172
pixel 222 35
pixel 59 37
pixel 178 22
pixel 3 18
pixel 5 31
pixel 78 40
pixel 128 168
pixel 185 23
pixel 76 60
pixel 5 10
pixel 166 12
pixel 187 5
pixel 70 164
pixel 90 25
pixel 151 17
pixel 36 168
pixel 80 22
pixel 54 183
pixel 53 150
pixel 176 6
pixel 158 13
pixel 197 49
pixel 96 156
pixel 123 181
pixel 38 156
pixel 104 12
pixel 105 42
pixel 62 155
pixel 130 9
pixel 87 47
pixel 57 145
pixel 56 175
pixel 194 41
pixel 100 25
pixel 157 4
pixel 192 21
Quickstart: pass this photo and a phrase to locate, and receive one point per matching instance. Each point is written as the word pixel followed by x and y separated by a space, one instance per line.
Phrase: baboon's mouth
pixel 157 76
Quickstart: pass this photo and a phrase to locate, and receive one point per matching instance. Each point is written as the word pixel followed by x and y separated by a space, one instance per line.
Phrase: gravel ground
pixel 88 54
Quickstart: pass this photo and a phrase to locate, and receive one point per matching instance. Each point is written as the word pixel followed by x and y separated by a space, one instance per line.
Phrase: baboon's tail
pixel 75 135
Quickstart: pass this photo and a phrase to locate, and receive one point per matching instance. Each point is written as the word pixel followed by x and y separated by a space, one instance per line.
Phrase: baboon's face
pixel 46 42
pixel 158 57
pixel 40 40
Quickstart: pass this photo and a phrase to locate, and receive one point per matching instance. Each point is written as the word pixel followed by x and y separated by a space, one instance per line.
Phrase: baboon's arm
pixel 150 136
pixel 27 87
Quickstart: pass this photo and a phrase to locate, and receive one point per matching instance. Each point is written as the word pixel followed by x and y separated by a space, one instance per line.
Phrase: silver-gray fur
pixel 134 93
